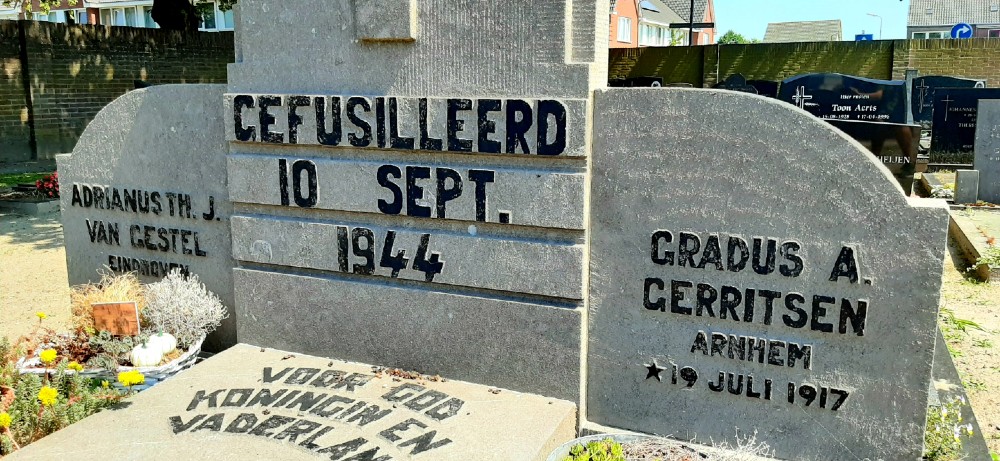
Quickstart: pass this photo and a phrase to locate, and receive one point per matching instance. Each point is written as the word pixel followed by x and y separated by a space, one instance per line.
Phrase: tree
pixel 731 37
pixel 44 6
pixel 168 14
pixel 182 14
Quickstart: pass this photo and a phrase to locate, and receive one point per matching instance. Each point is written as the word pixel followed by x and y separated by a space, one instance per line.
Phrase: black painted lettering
pixel 519 121
pixel 487 126
pixel 242 132
pixel 660 304
pixel 365 139
pixel 446 194
pixel 266 119
pixel 385 172
pixel 294 119
pixel 801 317
pixel 415 192
pixel 676 296
pixel 481 178
pixel 668 256
pixel 457 125
pixel 333 136
pixel 557 112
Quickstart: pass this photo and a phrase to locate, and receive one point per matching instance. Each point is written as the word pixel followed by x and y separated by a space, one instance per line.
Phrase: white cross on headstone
pixel 801 97
pixel 923 93
pixel 947 103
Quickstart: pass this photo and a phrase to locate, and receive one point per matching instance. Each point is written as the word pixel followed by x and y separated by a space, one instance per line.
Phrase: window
pixel 925 35
pixel 227 20
pixel 625 30
pixel 147 15
pixel 994 33
pixel 106 17
pixel 81 17
pixel 130 17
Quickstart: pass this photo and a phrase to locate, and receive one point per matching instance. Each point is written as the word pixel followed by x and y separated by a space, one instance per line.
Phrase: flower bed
pixel 153 375
pixel 126 337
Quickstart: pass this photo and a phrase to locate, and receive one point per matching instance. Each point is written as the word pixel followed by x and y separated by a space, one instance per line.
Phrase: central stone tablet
pixel 409 183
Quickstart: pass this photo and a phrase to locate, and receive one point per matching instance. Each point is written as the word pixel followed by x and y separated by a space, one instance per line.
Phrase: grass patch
pixel 11 180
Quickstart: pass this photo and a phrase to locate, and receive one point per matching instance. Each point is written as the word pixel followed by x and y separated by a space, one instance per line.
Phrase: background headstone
pixel 955 117
pixel 844 97
pixel 145 191
pixel 987 160
pixel 966 186
pixel 416 201
pixel 924 89
pixel 833 354
pixel 736 82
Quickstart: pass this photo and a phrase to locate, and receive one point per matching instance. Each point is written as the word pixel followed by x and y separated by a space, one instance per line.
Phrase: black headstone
pixel 844 97
pixel 765 87
pixel 636 82
pixel 895 145
pixel 736 82
pixel 922 96
pixel 955 113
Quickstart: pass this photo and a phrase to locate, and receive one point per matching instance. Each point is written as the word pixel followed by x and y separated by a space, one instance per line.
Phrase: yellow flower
pixel 105 384
pixel 48 356
pixel 41 315
pixel 4 420
pixel 75 366
pixel 48 396
pixel 131 378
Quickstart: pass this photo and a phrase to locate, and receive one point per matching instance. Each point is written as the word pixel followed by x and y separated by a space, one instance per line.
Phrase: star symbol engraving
pixel 653 371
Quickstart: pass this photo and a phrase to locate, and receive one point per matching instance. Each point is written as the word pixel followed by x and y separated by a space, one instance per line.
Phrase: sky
pixel 750 17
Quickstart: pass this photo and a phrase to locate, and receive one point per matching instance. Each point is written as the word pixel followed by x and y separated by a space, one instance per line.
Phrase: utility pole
pixel 691 25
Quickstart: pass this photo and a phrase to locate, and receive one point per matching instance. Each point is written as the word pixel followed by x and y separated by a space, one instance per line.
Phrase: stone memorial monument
pixel 987 159
pixel 144 191
pixel 454 191
pixel 966 186
pixel 955 117
pixel 756 291
pixel 924 88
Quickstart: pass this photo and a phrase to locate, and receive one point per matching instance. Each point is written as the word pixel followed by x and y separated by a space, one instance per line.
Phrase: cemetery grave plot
pixel 352 201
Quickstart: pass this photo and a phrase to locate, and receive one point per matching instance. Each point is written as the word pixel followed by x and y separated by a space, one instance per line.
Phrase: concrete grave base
pixel 251 403
pixel 30 208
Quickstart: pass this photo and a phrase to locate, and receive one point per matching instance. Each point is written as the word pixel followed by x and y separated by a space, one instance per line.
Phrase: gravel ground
pixel 976 350
pixel 32 273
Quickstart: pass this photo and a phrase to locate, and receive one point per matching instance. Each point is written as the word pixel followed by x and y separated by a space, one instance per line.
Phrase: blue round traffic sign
pixel 961 30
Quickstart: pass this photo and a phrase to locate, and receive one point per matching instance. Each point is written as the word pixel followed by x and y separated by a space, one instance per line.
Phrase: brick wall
pixel 14 130
pixel 974 58
pixel 703 66
pixel 77 70
pixel 676 64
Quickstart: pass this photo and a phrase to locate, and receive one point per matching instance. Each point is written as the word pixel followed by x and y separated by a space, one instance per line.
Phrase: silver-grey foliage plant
pixel 183 307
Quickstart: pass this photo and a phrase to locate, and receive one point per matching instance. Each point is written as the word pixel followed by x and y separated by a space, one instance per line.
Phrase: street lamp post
pixel 879 24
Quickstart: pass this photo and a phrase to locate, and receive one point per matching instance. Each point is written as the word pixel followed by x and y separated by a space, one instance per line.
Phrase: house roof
pixel 951 12
pixel 657 11
pixel 804 31
pixel 683 9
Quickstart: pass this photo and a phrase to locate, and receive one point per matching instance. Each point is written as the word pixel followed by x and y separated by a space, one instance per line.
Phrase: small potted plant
pixel 175 313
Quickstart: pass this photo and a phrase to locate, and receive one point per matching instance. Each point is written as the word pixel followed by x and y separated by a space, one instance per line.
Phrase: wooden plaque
pixel 120 319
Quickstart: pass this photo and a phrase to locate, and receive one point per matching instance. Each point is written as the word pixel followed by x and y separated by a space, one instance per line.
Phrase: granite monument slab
pixel 955 116
pixel 923 91
pixel 145 191
pixel 252 403
pixel 987 157
pixel 788 289
pixel 834 96
pixel 736 82
pixel 966 187
pixel 411 195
